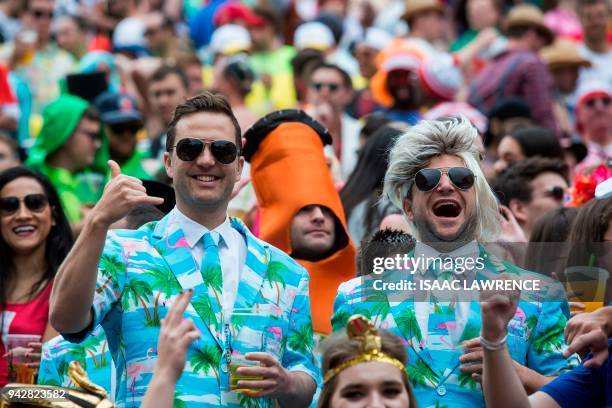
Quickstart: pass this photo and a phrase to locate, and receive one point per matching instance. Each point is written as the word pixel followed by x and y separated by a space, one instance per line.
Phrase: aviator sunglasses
pixel 223 151
pixel 33 202
pixel 428 179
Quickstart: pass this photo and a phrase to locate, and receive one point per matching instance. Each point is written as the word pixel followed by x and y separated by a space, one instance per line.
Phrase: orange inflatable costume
pixel 289 172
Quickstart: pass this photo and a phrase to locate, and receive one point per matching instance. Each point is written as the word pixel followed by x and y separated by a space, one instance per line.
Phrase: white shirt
pixel 232 251
pixel 462 310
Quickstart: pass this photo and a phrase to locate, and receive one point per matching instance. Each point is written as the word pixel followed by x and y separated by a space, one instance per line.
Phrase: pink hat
pixel 591 88
pixel 459 108
pixel 441 76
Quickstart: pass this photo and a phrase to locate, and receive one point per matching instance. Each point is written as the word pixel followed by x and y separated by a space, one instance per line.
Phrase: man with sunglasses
pixel 531 188
pixel 434 177
pixel 69 150
pixel 329 93
pixel 594 121
pixel 197 248
pixel 122 121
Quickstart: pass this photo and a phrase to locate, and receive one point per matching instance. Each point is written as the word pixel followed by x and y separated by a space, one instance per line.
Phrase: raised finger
pixel 471 369
pixel 471 343
pixel 178 308
pixel 189 338
pixel 115 170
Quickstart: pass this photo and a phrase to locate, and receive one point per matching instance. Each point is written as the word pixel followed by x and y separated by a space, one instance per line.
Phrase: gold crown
pixel 361 329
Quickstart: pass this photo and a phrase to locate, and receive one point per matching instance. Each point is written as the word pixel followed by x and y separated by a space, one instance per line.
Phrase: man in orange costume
pixel 300 210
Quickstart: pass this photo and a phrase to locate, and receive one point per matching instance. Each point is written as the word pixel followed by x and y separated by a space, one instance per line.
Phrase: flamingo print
pixel 449 326
pixel 180 243
pixel 136 370
pixel 520 314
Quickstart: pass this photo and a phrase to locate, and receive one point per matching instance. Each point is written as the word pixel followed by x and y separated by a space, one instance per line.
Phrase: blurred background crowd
pixel 84 81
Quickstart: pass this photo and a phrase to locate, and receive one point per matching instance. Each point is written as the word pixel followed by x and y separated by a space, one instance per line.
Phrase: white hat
pixel 376 38
pixel 129 35
pixel 230 39
pixel 313 35
pixel 604 189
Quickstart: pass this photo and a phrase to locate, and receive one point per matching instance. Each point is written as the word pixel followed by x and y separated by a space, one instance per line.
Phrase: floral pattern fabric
pixel 92 353
pixel 141 272
pixel 535 334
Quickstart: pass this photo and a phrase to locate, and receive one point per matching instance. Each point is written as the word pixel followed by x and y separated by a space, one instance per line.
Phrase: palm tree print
pixel 274 276
pixel 339 320
pixel 421 374
pixel 551 339
pixel 408 324
pixel 90 344
pixel 206 360
pixel 301 340
pixel 247 402
pixel 110 266
pixel 134 291
pixel 466 381
pixel 380 306
pixel 178 402
pixel 165 282
pixel 204 309
pixel 212 277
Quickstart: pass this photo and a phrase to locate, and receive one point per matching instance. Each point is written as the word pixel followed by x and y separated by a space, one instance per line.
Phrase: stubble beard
pixel 429 236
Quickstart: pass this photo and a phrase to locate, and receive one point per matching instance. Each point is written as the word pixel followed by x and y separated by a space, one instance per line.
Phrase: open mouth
pixel 206 179
pixel 447 209
pixel 24 230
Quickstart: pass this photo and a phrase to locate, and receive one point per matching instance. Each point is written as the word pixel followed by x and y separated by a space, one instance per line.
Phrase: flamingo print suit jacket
pixel 141 272
pixel 535 335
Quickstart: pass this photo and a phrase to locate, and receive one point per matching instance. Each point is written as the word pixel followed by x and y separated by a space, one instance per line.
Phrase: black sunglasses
pixel 121 128
pixel 42 13
pixel 556 192
pixel 605 101
pixel 33 202
pixel 428 179
pixel 320 85
pixel 223 151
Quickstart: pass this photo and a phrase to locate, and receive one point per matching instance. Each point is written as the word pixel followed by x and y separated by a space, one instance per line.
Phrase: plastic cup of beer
pixel 18 370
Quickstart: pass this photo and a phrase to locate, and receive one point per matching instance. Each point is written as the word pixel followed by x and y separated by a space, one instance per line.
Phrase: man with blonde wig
pixel 429 296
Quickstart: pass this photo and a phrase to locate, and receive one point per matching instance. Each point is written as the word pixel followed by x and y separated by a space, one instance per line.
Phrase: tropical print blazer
pixel 141 272
pixel 92 353
pixel 535 334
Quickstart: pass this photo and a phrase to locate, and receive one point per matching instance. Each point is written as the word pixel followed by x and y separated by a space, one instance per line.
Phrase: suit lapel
pixel 255 270
pixel 172 245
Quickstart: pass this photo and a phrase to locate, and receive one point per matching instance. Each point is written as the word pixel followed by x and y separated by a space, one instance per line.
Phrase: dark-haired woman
pixel 34 239
pixel 361 193
pixel 527 142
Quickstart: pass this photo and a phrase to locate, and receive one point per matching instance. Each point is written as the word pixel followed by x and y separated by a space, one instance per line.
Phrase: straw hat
pixel 413 7
pixel 563 53
pixel 528 15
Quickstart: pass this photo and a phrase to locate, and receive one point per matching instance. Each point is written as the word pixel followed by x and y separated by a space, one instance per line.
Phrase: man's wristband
pixel 493 345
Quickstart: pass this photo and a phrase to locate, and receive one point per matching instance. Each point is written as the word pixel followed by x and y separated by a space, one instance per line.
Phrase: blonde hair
pixel 414 150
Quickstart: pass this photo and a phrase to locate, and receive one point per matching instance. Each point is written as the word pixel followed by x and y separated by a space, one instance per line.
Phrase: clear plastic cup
pixel 18 370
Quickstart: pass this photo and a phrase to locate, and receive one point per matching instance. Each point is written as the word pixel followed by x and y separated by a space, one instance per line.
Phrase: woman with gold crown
pixel 365 367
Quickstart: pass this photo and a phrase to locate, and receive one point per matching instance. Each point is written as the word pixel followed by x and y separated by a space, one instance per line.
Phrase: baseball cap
pixel 230 39
pixel 117 108
pixel 315 35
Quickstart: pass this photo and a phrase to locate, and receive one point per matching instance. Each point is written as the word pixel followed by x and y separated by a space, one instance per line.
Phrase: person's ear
pixel 407 206
pixel 168 164
pixel 519 209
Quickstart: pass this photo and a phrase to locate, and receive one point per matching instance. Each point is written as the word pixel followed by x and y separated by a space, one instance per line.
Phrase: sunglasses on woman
pixel 428 179
pixel 33 202
pixel 224 151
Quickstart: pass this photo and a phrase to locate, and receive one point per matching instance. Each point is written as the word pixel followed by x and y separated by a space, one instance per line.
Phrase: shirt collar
pixel 469 250
pixel 194 231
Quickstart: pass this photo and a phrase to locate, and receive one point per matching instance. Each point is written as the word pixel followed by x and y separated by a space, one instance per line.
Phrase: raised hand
pixel 120 195
pixel 497 309
pixel 175 336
